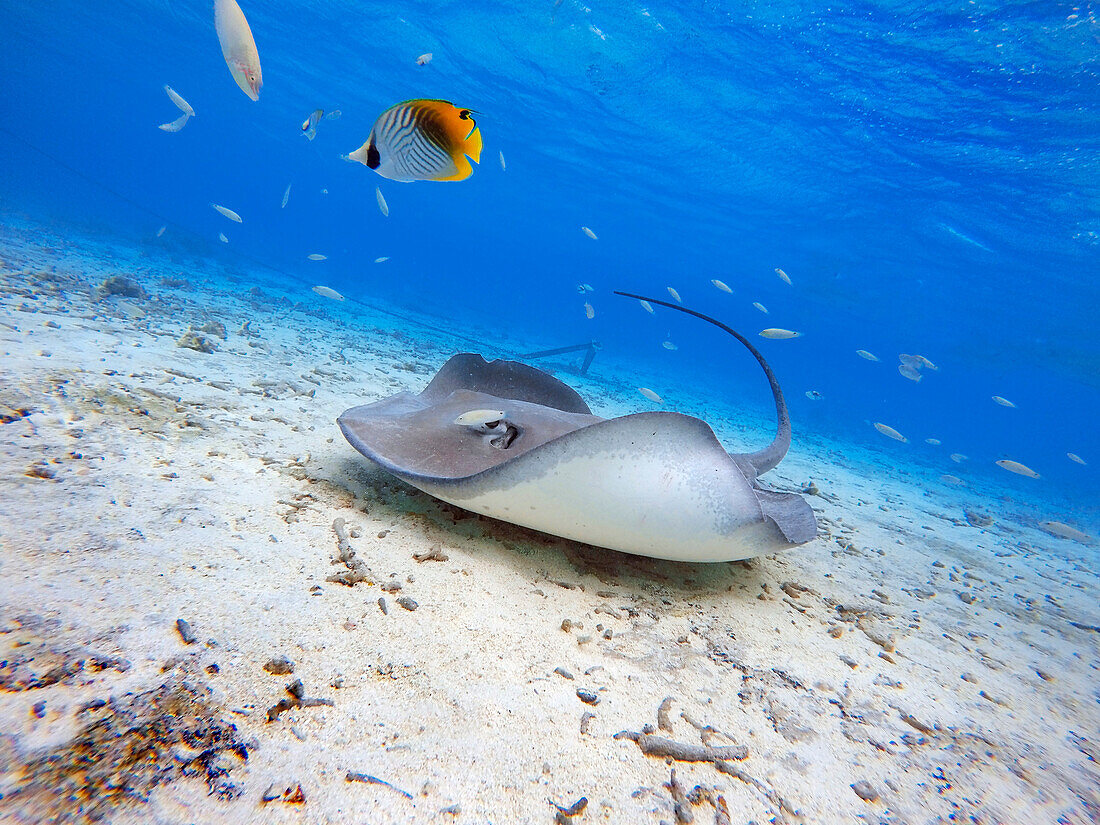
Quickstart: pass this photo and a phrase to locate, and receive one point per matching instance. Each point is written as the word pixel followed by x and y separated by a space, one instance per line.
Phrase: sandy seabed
pixel 905 667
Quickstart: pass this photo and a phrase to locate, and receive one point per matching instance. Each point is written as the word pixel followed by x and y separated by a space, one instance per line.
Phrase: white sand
pixel 205 486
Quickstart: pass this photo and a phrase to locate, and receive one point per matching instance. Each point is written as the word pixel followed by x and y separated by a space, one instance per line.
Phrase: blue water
pixel 928 176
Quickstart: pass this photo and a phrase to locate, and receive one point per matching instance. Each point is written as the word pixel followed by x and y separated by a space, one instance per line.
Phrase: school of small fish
pixel 435 140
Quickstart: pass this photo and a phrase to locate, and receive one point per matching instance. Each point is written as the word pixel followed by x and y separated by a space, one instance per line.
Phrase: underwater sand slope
pixel 906 661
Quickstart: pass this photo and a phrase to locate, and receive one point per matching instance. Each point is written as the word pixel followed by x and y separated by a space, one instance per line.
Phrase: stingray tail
pixel 767 458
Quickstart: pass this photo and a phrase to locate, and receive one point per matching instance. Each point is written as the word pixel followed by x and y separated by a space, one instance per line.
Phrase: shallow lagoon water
pixel 932 654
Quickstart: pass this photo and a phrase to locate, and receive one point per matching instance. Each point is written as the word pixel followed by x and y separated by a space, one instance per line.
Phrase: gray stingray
pixel 656 484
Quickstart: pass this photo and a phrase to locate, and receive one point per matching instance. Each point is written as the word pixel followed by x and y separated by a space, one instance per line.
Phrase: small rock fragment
pixel 865 790
pixel 185 632
pixel 565 674
pixel 407 603
pixel 382 606
pixel 434 553
pixel 279 666
pixel 589 697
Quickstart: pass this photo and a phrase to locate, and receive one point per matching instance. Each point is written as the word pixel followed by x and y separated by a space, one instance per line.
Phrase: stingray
pixel 507 440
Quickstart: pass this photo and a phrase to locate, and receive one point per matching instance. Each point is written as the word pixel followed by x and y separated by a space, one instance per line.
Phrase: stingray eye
pixel 464 114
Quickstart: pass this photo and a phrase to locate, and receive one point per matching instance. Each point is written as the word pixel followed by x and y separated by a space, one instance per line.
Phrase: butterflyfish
pixel 181 104
pixel 238 47
pixel 309 125
pixel 1016 467
pixel 890 432
pixel 176 124
pixel 422 140
pixel 327 292
pixel 777 334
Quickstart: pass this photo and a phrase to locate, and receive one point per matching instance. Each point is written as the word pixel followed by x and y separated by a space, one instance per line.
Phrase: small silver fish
pixel 867 356
pixel 911 361
pixel 814 395
pixel 503 165
pixel 947 478
pixel 222 238
pixel 286 197
pixel 926 363
pixel 309 125
pixel 333 115
pixel 935 442
pixel 669 345
pixel 589 312
pixel 675 295
pixel 783 276
pixel 229 213
pixel 721 285
pixel 646 305
pixel 383 207
pixel 161 230
pixel 778 334
pixel 760 307
pixel 589 233
pixel 1075 458
pixel 1064 531
pixel 316 256
pixel 1016 467
pixel 650 394
pixel 910 373
pixel 958 458
pixel 1004 402
pixel 424 59
pixel 181 104
pixel 890 432
pixel 327 292
pixel 176 124
pixel 475 418
pixel 382 260
pixel 583 288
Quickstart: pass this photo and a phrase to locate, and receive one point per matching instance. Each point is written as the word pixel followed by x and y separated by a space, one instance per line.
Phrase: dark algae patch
pixel 125 748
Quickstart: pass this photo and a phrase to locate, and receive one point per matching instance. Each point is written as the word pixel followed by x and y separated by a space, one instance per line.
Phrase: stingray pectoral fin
pixel 791 514
pixel 504 379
